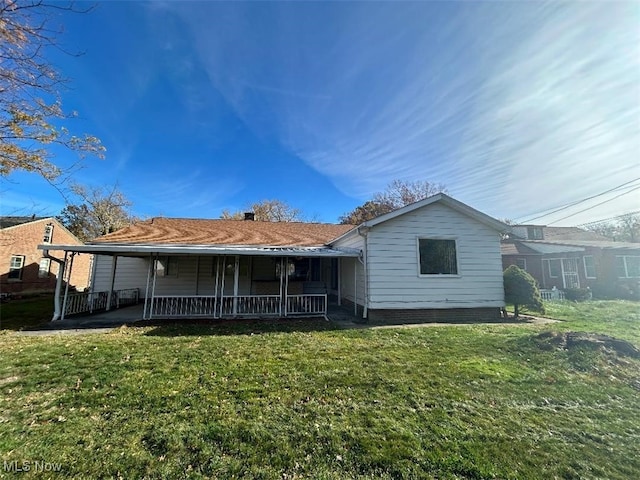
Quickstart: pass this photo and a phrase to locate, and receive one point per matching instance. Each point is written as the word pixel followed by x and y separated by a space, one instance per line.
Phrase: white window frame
pixel 13 268
pixel 524 260
pixel 48 233
pixel 549 260
pixel 586 270
pixel 44 272
pixel 438 275
pixel 626 268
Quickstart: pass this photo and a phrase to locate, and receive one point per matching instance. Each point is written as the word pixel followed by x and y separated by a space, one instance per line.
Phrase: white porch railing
pixel 184 306
pixel 552 295
pixel 240 306
pixel 314 304
pixel 90 302
pixel 251 305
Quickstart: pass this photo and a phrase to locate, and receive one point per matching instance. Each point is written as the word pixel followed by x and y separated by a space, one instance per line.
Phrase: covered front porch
pixel 215 283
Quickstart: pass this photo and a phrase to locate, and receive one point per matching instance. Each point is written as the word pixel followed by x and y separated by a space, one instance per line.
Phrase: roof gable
pixel 186 231
pixel 445 200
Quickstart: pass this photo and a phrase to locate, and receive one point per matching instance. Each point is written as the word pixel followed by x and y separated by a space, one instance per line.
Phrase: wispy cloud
pixel 522 105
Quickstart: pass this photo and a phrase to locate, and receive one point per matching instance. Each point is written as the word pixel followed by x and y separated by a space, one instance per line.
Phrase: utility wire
pixel 564 207
pixel 596 205
pixel 588 224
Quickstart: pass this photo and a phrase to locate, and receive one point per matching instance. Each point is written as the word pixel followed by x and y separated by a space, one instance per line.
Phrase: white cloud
pixel 517 107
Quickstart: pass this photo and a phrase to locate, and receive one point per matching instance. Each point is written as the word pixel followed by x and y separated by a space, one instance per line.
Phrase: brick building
pixel 24 268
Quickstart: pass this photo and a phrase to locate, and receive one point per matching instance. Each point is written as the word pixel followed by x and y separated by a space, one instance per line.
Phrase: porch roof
pixel 139 250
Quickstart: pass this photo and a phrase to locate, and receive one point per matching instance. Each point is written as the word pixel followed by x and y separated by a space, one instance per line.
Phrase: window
pixel 437 257
pixel 167 267
pixel 15 267
pixel 43 269
pixel 555 270
pixel 628 266
pixel 48 234
pixel 521 263
pixel 535 233
pixel 589 266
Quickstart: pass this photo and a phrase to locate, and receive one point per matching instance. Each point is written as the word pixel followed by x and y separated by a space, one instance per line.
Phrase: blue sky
pixel 517 107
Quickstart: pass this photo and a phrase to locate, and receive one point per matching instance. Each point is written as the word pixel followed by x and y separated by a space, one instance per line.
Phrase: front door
pixel 570 273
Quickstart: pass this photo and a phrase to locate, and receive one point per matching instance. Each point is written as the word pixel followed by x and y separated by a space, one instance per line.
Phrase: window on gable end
pixel 437 256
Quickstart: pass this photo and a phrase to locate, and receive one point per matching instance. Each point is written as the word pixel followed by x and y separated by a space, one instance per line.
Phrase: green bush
pixel 577 294
pixel 521 289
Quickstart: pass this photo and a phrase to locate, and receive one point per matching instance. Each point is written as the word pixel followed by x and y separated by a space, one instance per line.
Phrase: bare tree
pixel 625 228
pixel 397 194
pixel 267 211
pixel 101 211
pixel 30 106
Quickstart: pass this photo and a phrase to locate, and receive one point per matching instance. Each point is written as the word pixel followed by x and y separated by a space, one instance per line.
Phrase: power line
pixel 596 205
pixel 572 204
pixel 588 224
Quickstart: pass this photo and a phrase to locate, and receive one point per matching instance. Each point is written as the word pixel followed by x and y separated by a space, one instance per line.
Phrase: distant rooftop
pixel 6 222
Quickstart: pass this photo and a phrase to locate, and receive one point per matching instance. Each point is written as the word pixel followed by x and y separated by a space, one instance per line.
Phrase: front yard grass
pixel 435 402
pixel 26 312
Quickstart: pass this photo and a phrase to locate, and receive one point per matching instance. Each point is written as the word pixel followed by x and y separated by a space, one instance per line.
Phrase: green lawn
pixel 313 401
pixel 27 312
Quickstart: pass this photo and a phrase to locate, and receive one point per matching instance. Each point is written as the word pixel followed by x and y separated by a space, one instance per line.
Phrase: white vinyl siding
pixel 393 263
pixel 352 279
pixel 131 272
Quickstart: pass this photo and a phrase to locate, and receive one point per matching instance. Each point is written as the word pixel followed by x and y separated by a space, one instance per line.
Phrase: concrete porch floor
pixel 105 321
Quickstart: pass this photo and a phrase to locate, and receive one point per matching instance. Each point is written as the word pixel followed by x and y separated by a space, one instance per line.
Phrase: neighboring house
pixel 436 259
pixel 569 257
pixel 26 269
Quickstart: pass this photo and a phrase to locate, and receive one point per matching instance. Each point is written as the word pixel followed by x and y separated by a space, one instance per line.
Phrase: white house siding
pixel 347 276
pixel 130 273
pixel 394 281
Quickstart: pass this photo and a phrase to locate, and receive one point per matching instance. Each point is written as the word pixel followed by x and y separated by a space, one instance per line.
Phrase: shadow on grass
pixel 172 328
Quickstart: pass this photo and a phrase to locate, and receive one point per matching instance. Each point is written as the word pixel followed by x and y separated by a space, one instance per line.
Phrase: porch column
pixel 223 274
pixel 355 287
pixel 146 293
pixel 339 267
pixel 197 275
pixel 153 284
pixel 236 278
pixel 66 288
pixel 281 282
pixel 57 309
pixel 112 280
pixel 215 291
pixel 286 285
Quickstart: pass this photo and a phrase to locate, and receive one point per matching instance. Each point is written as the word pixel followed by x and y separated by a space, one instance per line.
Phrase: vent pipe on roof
pixel 249 216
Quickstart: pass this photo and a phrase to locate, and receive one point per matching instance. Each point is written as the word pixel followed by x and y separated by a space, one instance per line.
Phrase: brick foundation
pixel 452 315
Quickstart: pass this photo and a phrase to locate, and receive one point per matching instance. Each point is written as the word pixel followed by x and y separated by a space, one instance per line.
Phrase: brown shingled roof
pixel 572 233
pixel 188 231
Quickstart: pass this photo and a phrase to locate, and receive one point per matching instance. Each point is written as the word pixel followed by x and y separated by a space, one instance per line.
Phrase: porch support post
pixel 286 285
pixel 281 283
pixel 339 267
pixel 112 280
pixel 153 285
pixel 66 288
pixel 355 287
pixel 215 291
pixel 146 292
pixel 236 278
pixel 57 309
pixel 197 274
pixel 223 274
